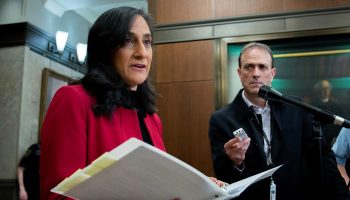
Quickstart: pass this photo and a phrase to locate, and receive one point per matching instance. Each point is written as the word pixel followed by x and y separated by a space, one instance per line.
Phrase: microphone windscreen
pixel 266 92
pixel 263 91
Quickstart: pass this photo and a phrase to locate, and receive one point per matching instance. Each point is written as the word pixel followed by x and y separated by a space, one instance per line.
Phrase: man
pixel 341 150
pixel 325 101
pixel 277 134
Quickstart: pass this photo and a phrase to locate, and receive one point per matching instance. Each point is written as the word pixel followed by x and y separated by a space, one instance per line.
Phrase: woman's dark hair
pixel 102 80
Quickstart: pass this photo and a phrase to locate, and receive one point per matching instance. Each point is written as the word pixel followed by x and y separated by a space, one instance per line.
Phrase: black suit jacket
pixel 292 145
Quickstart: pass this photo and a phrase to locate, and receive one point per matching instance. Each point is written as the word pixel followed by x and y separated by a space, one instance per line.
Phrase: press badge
pixel 272 190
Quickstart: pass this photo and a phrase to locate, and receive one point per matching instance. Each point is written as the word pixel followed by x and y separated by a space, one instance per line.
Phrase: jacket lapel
pixel 277 132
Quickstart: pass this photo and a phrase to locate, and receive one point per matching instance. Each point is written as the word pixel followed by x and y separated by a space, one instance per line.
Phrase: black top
pixel 134 102
pixel 30 163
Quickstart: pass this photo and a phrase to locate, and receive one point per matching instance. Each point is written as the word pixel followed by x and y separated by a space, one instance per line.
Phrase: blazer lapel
pixel 277 133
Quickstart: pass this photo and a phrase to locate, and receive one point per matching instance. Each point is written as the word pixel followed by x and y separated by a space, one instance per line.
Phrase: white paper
pixel 236 188
pixel 136 170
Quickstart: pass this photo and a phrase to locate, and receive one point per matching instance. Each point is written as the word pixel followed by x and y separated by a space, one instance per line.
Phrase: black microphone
pixel 268 93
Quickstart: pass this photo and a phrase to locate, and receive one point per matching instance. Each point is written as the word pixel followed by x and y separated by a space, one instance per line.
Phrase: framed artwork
pixel 50 83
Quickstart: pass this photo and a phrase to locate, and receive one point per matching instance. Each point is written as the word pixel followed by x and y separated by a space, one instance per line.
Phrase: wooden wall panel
pixel 237 8
pixel 188 61
pixel 296 5
pixel 185 80
pixel 185 108
pixel 168 12
pixel 182 10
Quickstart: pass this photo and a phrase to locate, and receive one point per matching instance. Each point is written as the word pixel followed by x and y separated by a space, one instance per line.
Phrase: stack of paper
pixel 136 170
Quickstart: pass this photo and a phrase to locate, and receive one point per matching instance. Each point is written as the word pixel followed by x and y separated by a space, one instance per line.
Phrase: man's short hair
pixel 319 84
pixel 256 45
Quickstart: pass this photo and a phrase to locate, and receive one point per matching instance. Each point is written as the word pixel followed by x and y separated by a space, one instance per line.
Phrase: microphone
pixel 269 93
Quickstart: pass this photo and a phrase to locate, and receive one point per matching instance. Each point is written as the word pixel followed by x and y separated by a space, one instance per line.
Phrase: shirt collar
pixel 257 109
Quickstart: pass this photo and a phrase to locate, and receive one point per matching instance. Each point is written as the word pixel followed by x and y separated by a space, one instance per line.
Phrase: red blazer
pixel 72 136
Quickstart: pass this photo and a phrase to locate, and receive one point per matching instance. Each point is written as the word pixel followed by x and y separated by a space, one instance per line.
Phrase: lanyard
pixel 258 118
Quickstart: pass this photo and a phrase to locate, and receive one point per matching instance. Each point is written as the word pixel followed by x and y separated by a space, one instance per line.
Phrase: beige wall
pixel 20 88
pixel 11 72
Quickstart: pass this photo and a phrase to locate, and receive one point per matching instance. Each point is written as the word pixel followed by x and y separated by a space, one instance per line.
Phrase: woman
pixel 113 102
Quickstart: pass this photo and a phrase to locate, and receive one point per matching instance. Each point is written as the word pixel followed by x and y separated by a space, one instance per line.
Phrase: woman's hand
pixel 218 182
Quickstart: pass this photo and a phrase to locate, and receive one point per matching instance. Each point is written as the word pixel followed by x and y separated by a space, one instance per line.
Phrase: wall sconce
pixel 61 40
pixel 81 52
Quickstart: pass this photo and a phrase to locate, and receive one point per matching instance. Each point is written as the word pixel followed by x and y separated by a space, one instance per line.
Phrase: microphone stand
pixel 317 156
pixel 317 138
pixel 320 117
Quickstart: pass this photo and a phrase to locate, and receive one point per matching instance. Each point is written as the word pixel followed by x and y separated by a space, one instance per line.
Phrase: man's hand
pixel 236 149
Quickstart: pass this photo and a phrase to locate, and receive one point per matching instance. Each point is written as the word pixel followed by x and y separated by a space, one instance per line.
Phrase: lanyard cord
pixel 258 118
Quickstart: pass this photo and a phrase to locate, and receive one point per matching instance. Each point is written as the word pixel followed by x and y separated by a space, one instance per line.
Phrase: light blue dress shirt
pixel 341 146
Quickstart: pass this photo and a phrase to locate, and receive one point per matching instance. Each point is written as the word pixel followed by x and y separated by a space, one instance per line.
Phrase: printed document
pixel 137 170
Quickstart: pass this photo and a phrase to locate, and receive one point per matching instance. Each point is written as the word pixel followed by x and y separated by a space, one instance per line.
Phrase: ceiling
pixel 90 9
